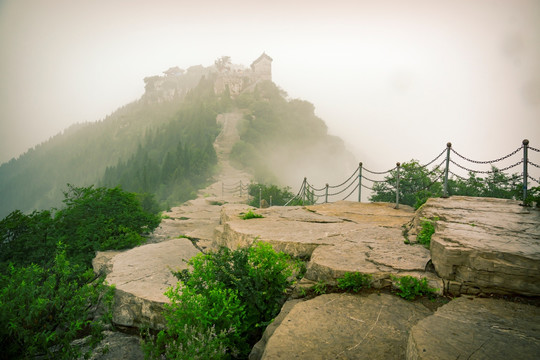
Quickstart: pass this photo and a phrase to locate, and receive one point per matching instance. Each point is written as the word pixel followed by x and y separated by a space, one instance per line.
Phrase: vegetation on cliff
pixel 282 139
pixel 417 184
pixel 163 148
pixel 220 309
pixel 49 295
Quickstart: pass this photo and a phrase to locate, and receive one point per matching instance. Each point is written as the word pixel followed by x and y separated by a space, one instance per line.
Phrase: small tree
pixel 270 193
pixel 42 310
pixel 416 185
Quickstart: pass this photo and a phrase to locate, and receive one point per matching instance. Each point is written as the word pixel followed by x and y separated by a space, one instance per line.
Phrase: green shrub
pixel 43 310
pixel 354 281
pixel 272 194
pixel 320 288
pixel 251 215
pixel 229 297
pixel 410 287
pixel 426 231
pixel 92 219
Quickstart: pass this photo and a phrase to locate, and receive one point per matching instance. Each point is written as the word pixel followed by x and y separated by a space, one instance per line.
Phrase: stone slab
pixel 476 328
pixel 336 238
pixel 145 271
pixel 345 326
pixel 485 245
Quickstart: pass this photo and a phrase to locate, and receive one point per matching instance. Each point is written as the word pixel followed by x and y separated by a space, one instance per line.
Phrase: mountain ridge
pixel 114 151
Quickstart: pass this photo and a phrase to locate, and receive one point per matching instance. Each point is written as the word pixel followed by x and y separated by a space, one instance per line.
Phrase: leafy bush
pixel 410 287
pixel 417 184
pixel 92 219
pixel 272 194
pixel 229 297
pixel 426 231
pixel 43 310
pixel 354 281
pixel 320 288
pixel 251 215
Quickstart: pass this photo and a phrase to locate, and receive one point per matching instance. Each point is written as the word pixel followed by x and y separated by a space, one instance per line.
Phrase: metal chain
pixel 533 179
pixel 431 184
pixel 346 181
pixel 533 149
pixel 353 190
pixel 432 161
pixel 367 187
pixel 458 176
pixel 486 162
pixel 533 164
pixel 373 181
pixel 339 192
pixel 377 172
pixel 485 172
pixel 314 188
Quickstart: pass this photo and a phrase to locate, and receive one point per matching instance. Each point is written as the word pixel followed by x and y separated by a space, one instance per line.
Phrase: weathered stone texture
pixel 485 245
pixel 344 326
pixel 337 238
pixel 476 328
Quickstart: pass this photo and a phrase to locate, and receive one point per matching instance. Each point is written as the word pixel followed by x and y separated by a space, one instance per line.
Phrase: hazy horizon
pixel 395 80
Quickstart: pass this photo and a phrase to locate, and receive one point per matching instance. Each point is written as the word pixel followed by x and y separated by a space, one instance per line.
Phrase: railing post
pixel 260 197
pixel 525 174
pixel 326 195
pixel 270 200
pixel 397 185
pixel 448 148
pixel 304 192
pixel 360 182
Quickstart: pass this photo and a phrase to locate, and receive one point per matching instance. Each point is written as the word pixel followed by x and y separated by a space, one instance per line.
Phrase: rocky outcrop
pixel 484 245
pixel 336 238
pixel 141 277
pixel 475 328
pixel 344 326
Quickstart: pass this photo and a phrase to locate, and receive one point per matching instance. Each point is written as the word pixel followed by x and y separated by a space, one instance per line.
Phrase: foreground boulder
pixel 476 328
pixel 344 326
pixel 485 245
pixel 141 276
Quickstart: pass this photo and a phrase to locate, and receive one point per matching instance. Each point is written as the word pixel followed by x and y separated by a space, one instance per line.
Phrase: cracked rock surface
pixel 476 328
pixel 485 245
pixel 337 238
pixel 142 274
pixel 345 326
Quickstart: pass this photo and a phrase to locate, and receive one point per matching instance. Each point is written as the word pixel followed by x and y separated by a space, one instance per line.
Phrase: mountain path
pixel 144 272
pixel 198 218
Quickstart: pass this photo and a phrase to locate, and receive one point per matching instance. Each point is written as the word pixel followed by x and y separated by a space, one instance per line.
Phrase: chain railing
pixel 310 194
pixel 236 188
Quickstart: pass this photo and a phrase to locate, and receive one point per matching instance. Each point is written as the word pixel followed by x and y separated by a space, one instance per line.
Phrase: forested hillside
pixel 161 146
pixel 82 153
pixel 283 140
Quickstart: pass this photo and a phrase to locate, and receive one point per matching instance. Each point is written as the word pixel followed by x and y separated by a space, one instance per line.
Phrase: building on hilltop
pixel 176 82
pixel 237 78
pixel 262 68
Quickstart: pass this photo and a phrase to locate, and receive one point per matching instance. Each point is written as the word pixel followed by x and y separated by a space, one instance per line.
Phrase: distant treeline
pixel 133 147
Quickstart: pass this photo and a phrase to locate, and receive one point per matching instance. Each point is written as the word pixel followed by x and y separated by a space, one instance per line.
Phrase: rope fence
pixel 310 194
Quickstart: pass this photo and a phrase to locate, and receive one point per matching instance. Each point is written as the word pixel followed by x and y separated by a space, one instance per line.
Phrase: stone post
pixel 448 148
pixel 525 173
pixel 326 195
pixel 397 185
pixel 360 182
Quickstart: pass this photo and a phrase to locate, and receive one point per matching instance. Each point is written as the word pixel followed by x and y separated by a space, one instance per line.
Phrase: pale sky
pixel 395 79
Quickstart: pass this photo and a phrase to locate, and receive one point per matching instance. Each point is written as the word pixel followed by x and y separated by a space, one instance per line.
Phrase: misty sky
pixel 395 79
